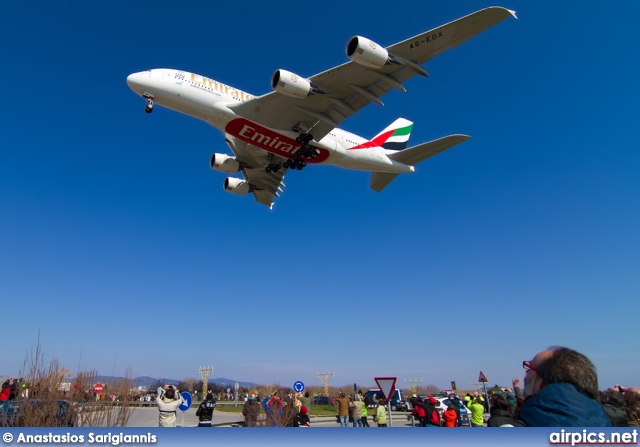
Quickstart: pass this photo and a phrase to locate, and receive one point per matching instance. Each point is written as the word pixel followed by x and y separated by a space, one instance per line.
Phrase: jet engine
pixel 366 52
pixel 290 84
pixel 224 163
pixel 236 185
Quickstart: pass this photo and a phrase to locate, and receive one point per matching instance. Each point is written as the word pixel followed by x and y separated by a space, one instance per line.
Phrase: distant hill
pixel 149 381
pixel 221 381
pixel 230 383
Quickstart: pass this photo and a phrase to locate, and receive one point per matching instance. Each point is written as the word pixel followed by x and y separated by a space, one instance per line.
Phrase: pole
pixel 486 396
pixel 389 412
pixel 204 372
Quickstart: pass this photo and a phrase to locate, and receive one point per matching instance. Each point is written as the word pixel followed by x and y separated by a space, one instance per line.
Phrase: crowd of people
pixel 290 411
pixel 560 390
pixel 12 388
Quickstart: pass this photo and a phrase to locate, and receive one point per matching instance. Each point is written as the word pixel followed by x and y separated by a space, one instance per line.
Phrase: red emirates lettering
pixel 262 137
pixel 268 140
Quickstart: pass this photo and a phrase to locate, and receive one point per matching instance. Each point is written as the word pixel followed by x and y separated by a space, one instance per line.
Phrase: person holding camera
pixel 168 403
pixel 205 411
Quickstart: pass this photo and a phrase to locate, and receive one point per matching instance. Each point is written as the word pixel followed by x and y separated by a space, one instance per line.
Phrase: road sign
pixel 186 401
pixel 98 388
pixel 482 378
pixel 387 386
pixel 453 386
pixel 298 387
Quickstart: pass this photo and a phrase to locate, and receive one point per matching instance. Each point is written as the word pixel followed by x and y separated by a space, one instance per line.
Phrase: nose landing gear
pixel 149 97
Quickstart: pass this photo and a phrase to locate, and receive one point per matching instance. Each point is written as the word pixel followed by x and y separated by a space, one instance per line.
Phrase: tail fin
pixel 395 136
pixel 414 155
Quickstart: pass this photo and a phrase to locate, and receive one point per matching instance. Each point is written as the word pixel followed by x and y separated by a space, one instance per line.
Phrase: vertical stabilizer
pixel 396 136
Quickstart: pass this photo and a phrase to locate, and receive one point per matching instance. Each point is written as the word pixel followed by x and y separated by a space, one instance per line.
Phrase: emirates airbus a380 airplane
pixel 297 124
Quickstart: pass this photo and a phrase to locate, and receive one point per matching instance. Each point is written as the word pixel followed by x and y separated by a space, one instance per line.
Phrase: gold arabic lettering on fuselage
pixel 219 87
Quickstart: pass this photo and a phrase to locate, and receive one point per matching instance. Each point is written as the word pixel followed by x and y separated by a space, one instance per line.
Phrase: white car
pixel 465 413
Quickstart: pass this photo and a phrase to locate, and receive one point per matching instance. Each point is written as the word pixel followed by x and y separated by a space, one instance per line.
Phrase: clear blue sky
pixel 119 246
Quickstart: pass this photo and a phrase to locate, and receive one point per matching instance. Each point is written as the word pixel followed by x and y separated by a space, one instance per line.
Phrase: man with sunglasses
pixel 561 390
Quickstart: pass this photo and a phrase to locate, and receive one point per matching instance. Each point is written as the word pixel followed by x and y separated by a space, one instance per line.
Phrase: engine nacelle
pixel 366 52
pixel 224 163
pixel 236 185
pixel 290 84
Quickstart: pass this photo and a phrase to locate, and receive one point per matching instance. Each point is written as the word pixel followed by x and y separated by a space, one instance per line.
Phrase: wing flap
pixel 264 185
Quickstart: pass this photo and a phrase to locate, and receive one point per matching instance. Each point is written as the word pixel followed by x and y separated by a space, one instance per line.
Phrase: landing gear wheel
pixel 268 168
pixel 149 98
pixel 304 138
pixel 286 164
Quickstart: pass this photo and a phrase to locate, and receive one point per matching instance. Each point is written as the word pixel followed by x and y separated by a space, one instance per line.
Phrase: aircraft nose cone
pixel 132 81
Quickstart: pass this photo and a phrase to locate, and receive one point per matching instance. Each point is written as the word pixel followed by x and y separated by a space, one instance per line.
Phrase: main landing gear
pixel 293 163
pixel 149 97
pixel 275 167
pixel 306 151
pixel 297 162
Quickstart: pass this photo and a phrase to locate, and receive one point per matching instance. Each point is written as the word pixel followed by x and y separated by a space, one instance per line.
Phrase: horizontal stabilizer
pixel 421 152
pixel 380 180
pixel 413 156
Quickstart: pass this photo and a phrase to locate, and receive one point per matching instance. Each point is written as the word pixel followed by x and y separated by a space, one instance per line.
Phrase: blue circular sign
pixel 298 387
pixel 186 401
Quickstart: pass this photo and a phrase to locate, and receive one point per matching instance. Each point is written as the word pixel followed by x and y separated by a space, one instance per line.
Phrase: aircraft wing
pixel 351 86
pixel 264 185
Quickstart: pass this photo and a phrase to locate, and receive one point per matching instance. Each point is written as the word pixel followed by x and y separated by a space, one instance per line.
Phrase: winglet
pixel 513 13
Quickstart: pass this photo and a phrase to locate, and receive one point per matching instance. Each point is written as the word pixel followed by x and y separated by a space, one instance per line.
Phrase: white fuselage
pixel 207 100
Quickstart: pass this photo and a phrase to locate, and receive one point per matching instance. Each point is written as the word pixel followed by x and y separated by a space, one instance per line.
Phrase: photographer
pixel 168 403
pixel 205 411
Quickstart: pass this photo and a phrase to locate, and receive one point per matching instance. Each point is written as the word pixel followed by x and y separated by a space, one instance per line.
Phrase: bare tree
pixel 50 396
